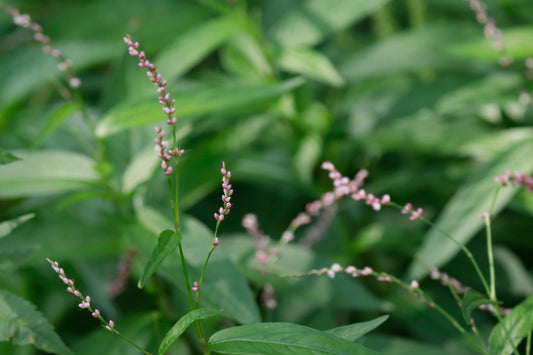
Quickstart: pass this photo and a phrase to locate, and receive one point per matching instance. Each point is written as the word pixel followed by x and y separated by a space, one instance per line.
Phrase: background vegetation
pixel 414 91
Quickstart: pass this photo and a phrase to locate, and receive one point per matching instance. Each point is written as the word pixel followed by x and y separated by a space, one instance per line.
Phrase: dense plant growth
pixel 348 126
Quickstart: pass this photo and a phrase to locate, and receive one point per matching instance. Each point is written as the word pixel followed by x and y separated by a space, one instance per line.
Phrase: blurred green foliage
pixel 410 90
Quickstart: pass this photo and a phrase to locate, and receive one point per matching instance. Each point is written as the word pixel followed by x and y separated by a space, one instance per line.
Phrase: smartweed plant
pixel 249 297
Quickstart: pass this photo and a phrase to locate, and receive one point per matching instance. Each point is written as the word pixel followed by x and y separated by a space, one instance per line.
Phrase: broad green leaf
pixel 46 172
pixel 310 63
pixel 352 332
pixel 471 301
pixel 313 20
pixel 460 217
pixel 512 329
pixel 7 226
pixel 167 242
pixel 194 45
pixel 140 169
pixel 55 120
pixel 517 41
pixel 281 338
pixel 215 99
pixel 6 157
pixel 183 323
pixel 21 323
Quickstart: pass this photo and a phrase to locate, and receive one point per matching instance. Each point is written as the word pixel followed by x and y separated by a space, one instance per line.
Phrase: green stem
pixel 489 246
pixel 528 344
pixel 491 258
pixel 205 263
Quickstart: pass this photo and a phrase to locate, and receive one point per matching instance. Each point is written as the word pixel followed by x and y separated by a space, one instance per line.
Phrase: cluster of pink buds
pixel 164 100
pixel 415 214
pixel 226 197
pixel 521 179
pixel 85 300
pixel 155 78
pixel 344 186
pixel 65 65
pixel 164 154
pixel 353 187
pixel 195 287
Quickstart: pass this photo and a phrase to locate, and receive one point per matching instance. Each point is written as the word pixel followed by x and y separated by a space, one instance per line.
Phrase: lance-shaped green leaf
pixel 183 323
pixel 194 45
pixel 213 99
pixel 460 217
pixel 22 324
pixel 512 329
pixel 471 301
pixel 310 63
pixel 46 172
pixel 352 332
pixel 167 242
pixel 281 338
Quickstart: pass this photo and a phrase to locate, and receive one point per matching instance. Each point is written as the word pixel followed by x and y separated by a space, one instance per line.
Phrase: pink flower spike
pixel 96 313
pixel 215 242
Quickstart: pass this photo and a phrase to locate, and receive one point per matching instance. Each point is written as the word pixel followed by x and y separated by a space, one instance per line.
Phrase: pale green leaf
pixel 46 172
pixel 193 46
pixel 140 169
pixel 310 63
pixel 21 323
pixel 206 100
pixel 244 55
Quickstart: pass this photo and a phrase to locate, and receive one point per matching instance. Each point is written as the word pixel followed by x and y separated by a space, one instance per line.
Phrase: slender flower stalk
pixel 166 151
pixel 85 303
pixel 219 216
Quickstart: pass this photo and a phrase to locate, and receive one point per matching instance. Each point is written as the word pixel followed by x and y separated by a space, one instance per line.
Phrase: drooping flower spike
pixel 162 146
pixel 85 300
